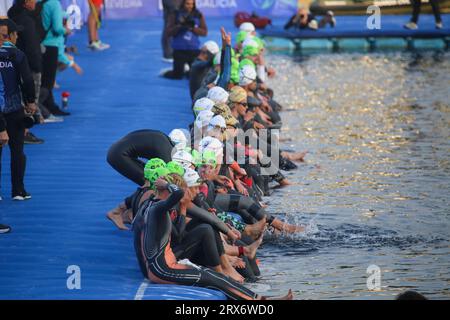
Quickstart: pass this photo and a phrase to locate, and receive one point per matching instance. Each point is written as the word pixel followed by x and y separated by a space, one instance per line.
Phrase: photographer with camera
pixel 304 19
pixel 18 83
pixel 185 26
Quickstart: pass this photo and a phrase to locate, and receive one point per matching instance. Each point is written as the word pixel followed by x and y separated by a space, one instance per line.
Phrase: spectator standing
pixel 52 20
pixel 94 21
pixel 3 133
pixel 416 4
pixel 169 7
pixel 18 84
pixel 185 26
pixel 28 43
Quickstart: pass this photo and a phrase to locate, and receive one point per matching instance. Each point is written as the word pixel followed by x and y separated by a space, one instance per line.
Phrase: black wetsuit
pixel 124 155
pixel 245 206
pixel 199 69
pixel 152 233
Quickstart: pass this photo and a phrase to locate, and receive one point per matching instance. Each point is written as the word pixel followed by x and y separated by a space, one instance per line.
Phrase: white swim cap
pixel 210 143
pixel 184 158
pixel 179 138
pixel 249 42
pixel 192 178
pixel 218 94
pixel 247 27
pixel 203 118
pixel 212 47
pixel 247 75
pixel 202 104
pixel 217 121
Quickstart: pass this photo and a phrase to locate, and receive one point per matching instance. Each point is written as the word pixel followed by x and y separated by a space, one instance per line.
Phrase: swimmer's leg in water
pixel 236 203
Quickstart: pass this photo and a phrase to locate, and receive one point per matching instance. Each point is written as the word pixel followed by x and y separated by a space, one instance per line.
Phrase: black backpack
pixel 41 31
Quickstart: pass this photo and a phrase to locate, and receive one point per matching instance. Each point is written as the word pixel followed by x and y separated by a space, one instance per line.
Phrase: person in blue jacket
pixel 4 138
pixel 185 26
pixel 19 90
pixel 52 16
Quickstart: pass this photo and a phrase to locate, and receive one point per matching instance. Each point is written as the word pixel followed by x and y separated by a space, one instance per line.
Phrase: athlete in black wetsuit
pixel 152 234
pixel 124 155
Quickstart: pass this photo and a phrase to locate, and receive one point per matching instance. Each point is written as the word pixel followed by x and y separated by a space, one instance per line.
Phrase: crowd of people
pixel 198 214
pixel 33 49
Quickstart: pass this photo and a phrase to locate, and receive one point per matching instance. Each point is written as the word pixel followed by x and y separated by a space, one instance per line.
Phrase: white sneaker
pixel 4 228
pixel 439 25
pixel 411 26
pixel 98 46
pixel 53 119
pixel 313 25
pixel 164 71
pixel 104 46
pixel 22 197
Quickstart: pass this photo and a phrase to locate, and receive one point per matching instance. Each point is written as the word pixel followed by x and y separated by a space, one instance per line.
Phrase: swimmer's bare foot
pixel 239 263
pixel 290 228
pixel 286 227
pixel 255 230
pixel 115 215
pixel 295 156
pixel 289 296
pixel 284 183
pixel 127 216
pixel 250 250
pixel 233 274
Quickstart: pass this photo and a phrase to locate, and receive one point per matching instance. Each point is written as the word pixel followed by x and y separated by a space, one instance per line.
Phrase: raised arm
pixel 176 194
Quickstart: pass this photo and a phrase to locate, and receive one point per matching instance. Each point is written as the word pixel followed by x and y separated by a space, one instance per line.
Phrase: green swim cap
pixel 260 42
pixel 175 167
pixel 250 51
pixel 234 70
pixel 154 163
pixel 196 158
pixel 209 157
pixel 157 173
pixel 151 166
pixel 240 37
pixel 246 62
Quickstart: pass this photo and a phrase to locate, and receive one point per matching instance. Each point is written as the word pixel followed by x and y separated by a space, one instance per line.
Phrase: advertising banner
pixel 129 9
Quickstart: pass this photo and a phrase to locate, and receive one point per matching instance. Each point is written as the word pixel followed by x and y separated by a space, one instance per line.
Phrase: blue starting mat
pixel 63 227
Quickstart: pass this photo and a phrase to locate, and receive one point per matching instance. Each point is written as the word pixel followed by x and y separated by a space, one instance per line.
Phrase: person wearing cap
pixel 185 26
pixel 207 227
pixel 200 126
pixel 202 64
pixel 239 107
pixel 220 74
pixel 184 158
pixel 152 228
pixel 202 104
pixel 248 27
pixel 218 94
pixel 19 90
